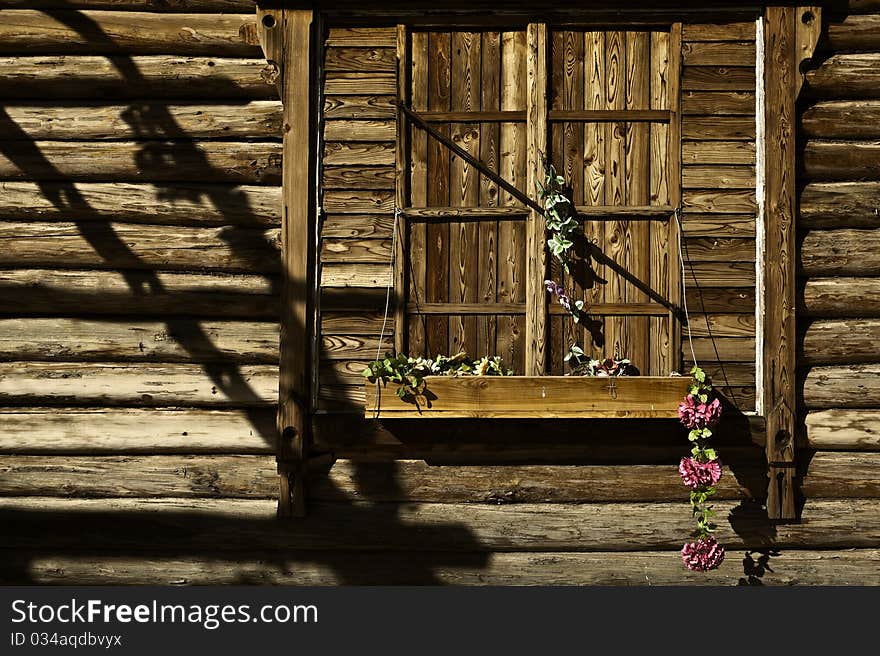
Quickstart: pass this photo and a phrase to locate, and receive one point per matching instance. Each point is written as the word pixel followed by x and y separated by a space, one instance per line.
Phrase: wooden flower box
pixel 564 397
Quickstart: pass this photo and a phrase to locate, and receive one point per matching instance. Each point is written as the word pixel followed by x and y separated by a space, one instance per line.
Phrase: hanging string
pixel 687 317
pixel 388 287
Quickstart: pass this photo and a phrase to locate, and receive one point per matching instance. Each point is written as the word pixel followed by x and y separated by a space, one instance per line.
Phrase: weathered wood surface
pixel 722 225
pixel 841 160
pixel 840 253
pixel 43 383
pixel 843 430
pixel 231 524
pixel 169 204
pixel 186 6
pixel 840 205
pixel 842 119
pixel 841 341
pixel 187 340
pixel 843 77
pixel 127 246
pixel 858 33
pixel 718 103
pixel 258 119
pixel 142 76
pixel 152 161
pixel 730 53
pixel 840 297
pixel 853 386
pixel 89 32
pixel 719 128
pixel 852 567
pixel 829 475
pixel 354 107
pixel 114 431
pixel 47 292
pixel 717 152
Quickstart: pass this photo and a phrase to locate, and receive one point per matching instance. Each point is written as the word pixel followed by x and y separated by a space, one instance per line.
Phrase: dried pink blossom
pixel 703 555
pixel 696 474
pixel 697 415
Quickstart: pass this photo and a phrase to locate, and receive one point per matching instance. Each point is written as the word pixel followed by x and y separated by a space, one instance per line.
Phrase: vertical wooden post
pixel 780 88
pixel 536 232
pixel 674 183
pixel 296 247
pixel 402 186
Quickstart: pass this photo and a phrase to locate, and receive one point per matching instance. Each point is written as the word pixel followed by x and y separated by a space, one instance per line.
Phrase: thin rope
pixel 684 302
pixel 388 287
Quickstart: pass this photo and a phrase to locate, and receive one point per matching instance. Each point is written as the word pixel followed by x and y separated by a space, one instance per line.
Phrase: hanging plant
pixel 700 411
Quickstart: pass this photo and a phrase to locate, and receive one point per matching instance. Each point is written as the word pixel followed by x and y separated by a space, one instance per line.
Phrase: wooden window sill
pixel 550 397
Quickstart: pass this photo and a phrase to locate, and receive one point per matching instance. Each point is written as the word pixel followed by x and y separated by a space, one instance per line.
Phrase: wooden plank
pixel 536 238
pixel 842 119
pixel 718 78
pixel 185 6
pixel 357 107
pixel 145 341
pixel 853 386
pixel 722 325
pixel 729 53
pixel 840 252
pixel 359 154
pixel 338 83
pixel 359 130
pixel 357 177
pixel 168 204
pixel 718 152
pixel 718 177
pixel 295 364
pixel 739 31
pixel 119 431
pixel 800 567
pixel 127 32
pixel 356 201
pixel 719 249
pixel 349 323
pixel 840 297
pixel 724 349
pixel 594 134
pixel 720 274
pixel 844 160
pixel 463 213
pixel 159 161
pixel 609 115
pixel 719 128
pixel 142 247
pixel 474 116
pixel 356 250
pixel 344 347
pixel 721 202
pixel 47 292
pixel 718 103
pixel 370 276
pixel 363 59
pixel 842 430
pixel 676 284
pixel 361 37
pixel 45 383
pixel 158 76
pixel 417 261
pixel 232 525
pixel 841 341
pixel 538 396
pixel 723 225
pixel 402 168
pixel 258 119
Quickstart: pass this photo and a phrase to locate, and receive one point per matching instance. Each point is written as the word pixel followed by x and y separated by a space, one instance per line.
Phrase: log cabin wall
pixel 138 336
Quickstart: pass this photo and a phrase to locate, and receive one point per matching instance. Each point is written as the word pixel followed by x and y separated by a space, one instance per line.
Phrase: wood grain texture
pixel 840 341
pixel 840 253
pixel 718 103
pixel 853 386
pixel 143 76
pixel 840 297
pixel 842 430
pixel 842 119
pixel 185 6
pixel 89 32
pixel 845 76
pixel 858 33
pixel 114 431
pixel 841 160
pixel 840 205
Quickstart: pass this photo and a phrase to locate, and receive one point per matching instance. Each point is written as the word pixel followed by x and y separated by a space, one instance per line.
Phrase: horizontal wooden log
pixel 182 525
pixel 718 249
pixel 722 202
pixel 859 33
pixel 833 475
pixel 251 477
pixel 721 225
pixel 84 431
pixel 718 103
pixel 853 386
pixel 366 107
pixel 186 6
pixel 143 76
pixel 843 119
pixel 841 160
pixel 126 32
pixel 730 53
pixel 833 568
pixel 151 161
pixel 718 128
pixel 843 430
pixel 718 78
pixel 840 253
pixel 258 119
pixel 358 177
pixel 841 341
pixel 359 154
pixel 127 246
pixel 791 567
pixel 718 177
pixel 43 383
pixel 703 153
pixel 840 205
pixel 48 292
pixel 846 76
pixel 840 297
pixel 175 340
pixel 169 204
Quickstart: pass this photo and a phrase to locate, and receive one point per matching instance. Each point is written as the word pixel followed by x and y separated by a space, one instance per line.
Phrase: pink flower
pixel 696 474
pixel 703 555
pixel 696 415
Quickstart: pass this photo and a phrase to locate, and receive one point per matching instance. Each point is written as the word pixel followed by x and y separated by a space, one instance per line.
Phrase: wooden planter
pixel 568 397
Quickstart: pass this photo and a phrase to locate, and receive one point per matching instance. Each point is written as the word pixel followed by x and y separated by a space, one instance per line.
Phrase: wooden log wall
pixel 139 326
